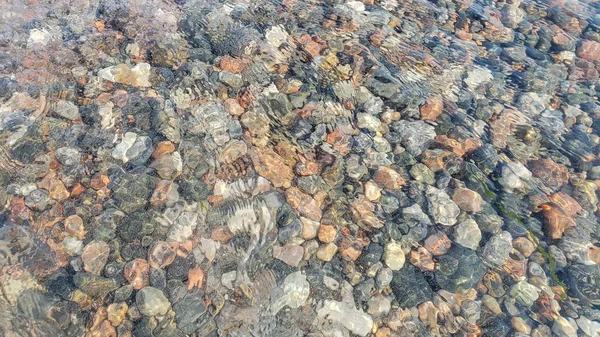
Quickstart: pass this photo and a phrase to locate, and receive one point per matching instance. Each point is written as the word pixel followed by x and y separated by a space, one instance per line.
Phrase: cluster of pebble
pixel 336 168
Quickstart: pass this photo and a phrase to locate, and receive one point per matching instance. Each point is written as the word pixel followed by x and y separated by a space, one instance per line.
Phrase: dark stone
pixel 124 293
pixel 178 269
pixel 94 285
pixel 27 150
pixel 60 283
pixel 189 312
pixel 143 328
pixel 158 278
pixel 410 287
pixel 285 215
pixel 496 328
pixel 459 270
pixel 289 232
pixel 370 256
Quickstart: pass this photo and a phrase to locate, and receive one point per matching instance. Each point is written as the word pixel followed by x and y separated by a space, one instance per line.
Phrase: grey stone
pixel 459 270
pixel 410 287
pixel 67 110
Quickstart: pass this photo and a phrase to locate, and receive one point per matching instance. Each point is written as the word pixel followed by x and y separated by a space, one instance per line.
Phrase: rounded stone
pixel 152 301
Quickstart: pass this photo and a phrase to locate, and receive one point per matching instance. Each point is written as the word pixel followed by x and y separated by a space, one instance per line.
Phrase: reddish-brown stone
pixel 589 50
pixel 137 272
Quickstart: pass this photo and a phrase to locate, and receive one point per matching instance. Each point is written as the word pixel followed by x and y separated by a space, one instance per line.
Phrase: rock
pixel 583 283
pixel 151 302
pixel 443 210
pixel 467 234
pixel 459 270
pixel 303 203
pixel 525 293
pixel 369 122
pixel 291 254
pixel 95 256
pixel 271 166
pixel 437 243
pixel 497 249
pixel 60 283
pixel 293 292
pixel 38 200
pixel 67 110
pixel 138 76
pixel 379 306
pixel 162 148
pixel 67 156
pixel 588 326
pixel 326 252
pixel 93 285
pixel 512 15
pixel 410 287
pixel 420 172
pixel 432 108
pixel 168 166
pixel 589 50
pixel 549 172
pixel 137 272
pixel 356 321
pixel 563 327
pixel 327 233
pixel 116 313
pixel 183 227
pixel 161 254
pixel 73 246
pixel 477 76
pixel 416 136
pixel 393 256
pixel 189 313
pixel 468 200
pixel 388 178
pixel 372 191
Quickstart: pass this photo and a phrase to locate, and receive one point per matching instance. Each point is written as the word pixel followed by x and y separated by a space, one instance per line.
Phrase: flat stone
pixel 410 287
pixel 68 110
pixel 291 255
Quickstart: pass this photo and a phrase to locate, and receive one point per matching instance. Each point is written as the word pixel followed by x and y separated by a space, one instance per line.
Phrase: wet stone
pixel 459 270
pixel 410 287
pixel 497 249
pixel 151 301
pixel 189 312
pixel 467 234
pixel 443 210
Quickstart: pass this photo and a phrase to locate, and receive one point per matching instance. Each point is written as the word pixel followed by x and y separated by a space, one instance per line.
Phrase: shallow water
pixel 299 168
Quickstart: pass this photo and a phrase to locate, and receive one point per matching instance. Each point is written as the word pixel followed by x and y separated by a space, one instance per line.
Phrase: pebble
pixel 291 255
pixel 525 293
pixel 151 301
pixel 394 256
pixel 95 256
pixel 443 210
pixel 468 200
pixel 498 248
pixel 67 110
pixel 467 234
pixel 200 168
pixel 563 327
pixel 326 252
pixel 357 321
pixel 293 292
